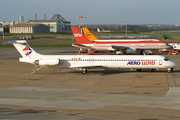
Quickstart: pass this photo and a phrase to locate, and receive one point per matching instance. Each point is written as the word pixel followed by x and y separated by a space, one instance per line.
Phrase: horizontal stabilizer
pixel 23 48
pixel 16 42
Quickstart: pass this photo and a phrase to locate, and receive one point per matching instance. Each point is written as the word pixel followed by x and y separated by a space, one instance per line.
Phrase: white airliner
pixel 83 62
pixel 103 30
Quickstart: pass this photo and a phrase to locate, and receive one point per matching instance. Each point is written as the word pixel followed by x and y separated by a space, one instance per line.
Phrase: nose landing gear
pixel 170 70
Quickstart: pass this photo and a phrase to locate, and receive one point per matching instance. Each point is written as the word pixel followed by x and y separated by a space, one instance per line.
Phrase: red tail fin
pixel 79 37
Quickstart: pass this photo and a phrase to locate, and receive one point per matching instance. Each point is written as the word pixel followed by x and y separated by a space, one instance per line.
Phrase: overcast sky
pixel 96 11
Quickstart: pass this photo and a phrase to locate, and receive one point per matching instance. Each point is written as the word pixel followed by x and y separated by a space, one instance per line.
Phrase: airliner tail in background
pixel 88 34
pixel 80 38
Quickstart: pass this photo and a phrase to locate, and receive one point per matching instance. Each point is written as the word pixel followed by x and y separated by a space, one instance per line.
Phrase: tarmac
pixel 101 94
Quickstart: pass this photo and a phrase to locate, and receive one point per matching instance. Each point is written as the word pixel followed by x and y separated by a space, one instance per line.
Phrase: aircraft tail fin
pixel 88 34
pixel 98 30
pixel 79 37
pixel 23 48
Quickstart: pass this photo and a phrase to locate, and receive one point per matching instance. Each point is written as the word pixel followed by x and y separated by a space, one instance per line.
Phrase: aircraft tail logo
pixel 88 34
pixel 79 37
pixel 27 50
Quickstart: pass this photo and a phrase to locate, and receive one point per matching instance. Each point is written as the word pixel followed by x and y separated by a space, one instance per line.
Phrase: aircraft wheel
pixel 152 70
pixel 139 70
pixel 84 71
pixel 170 70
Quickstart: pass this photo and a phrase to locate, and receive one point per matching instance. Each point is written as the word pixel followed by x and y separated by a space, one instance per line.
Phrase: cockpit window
pixel 166 59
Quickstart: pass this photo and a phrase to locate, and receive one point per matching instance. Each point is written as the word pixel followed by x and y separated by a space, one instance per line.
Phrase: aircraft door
pixel 160 61
pixel 91 60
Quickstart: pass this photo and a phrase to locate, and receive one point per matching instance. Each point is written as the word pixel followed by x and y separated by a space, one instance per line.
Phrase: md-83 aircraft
pixel 84 62
pixel 121 47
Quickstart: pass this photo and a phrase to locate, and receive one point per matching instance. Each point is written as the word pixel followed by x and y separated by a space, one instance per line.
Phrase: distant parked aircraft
pixel 103 30
pixel 121 47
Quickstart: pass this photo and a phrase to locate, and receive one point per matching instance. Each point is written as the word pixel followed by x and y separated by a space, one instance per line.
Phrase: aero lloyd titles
pixel 141 63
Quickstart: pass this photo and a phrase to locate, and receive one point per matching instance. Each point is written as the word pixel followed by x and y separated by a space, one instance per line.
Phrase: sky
pixel 95 11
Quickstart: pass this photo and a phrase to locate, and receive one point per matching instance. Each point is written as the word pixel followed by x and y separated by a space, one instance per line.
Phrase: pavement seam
pixel 98 81
pixel 133 80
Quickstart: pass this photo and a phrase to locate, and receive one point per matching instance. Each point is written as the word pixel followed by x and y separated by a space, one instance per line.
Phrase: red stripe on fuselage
pixel 131 42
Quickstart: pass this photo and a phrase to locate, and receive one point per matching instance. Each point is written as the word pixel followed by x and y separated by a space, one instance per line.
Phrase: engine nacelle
pixel 47 62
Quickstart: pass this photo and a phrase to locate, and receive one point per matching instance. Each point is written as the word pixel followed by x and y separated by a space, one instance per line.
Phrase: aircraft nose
pixel 174 64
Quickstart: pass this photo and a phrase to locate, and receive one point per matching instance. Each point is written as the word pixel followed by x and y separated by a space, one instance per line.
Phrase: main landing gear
pixel 152 70
pixel 139 70
pixel 84 71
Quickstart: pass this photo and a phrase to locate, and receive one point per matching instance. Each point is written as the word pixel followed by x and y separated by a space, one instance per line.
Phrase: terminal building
pixel 56 24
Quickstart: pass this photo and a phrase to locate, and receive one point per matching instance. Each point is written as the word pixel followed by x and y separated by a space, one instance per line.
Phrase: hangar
pixel 28 28
pixel 56 23
pixel 1 28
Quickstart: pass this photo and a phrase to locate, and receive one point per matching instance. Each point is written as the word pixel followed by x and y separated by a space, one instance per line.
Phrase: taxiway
pixel 100 94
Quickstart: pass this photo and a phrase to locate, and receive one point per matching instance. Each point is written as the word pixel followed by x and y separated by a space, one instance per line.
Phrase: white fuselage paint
pixel 108 61
pixel 88 61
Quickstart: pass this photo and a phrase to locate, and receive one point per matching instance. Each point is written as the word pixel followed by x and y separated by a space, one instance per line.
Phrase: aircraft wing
pixel 80 45
pixel 86 66
pixel 119 48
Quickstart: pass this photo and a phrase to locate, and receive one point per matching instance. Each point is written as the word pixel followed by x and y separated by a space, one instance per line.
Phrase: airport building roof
pixel 24 25
pixel 55 18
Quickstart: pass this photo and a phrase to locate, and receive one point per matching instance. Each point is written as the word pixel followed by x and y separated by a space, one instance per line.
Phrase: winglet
pixel 79 37
pixel 88 34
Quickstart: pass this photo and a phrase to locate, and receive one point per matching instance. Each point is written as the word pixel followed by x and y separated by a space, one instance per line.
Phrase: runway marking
pixel 65 100
pixel 92 101
pixel 38 99
pixel 162 100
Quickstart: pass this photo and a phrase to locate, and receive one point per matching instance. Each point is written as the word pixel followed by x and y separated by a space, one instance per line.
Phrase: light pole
pixel 3 30
pixel 126 29
pixel 80 26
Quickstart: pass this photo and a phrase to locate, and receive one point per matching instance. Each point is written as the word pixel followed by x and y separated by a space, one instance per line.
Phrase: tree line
pixel 133 28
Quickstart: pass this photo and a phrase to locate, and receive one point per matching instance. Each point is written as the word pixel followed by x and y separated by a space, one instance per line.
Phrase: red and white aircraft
pixel 121 47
